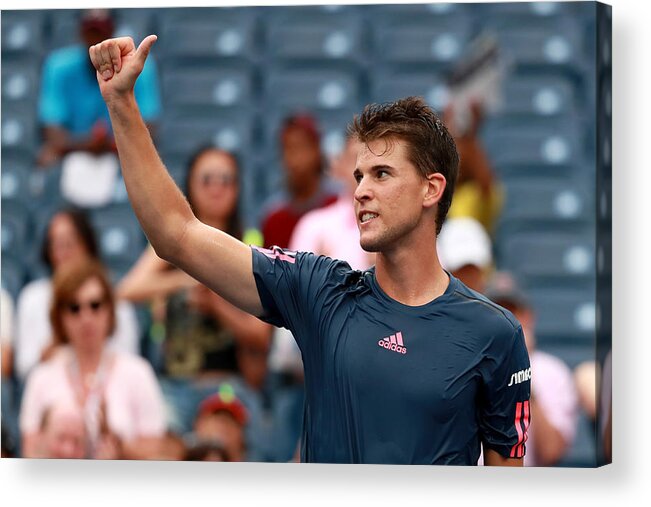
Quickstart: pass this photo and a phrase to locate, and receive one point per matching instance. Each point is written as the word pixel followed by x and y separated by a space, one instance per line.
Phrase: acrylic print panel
pixel 248 109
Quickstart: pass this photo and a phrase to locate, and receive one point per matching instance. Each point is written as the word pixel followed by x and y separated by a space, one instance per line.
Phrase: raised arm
pixel 211 256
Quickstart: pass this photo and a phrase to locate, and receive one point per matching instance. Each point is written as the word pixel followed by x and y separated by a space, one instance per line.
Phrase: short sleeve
pixel 504 411
pixel 52 106
pixel 147 91
pixel 295 288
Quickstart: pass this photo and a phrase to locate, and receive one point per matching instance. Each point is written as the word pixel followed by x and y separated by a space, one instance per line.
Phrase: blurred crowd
pixel 222 385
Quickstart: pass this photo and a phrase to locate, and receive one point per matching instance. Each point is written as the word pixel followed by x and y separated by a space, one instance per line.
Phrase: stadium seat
pixel 441 9
pixel 518 11
pixel 539 96
pixel 19 127
pixel 22 33
pixel 207 87
pixel 535 200
pixel 563 256
pixel 120 238
pixel 542 44
pixel 180 137
pixel 419 38
pixel 15 180
pixel 20 81
pixel 15 228
pixel 209 33
pixel 314 35
pixel 12 276
pixel 392 85
pixel 311 89
pixel 563 316
pixel 535 144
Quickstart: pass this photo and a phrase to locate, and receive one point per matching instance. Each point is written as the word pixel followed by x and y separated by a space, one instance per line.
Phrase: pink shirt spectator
pixel 134 402
pixel 332 231
pixel 552 385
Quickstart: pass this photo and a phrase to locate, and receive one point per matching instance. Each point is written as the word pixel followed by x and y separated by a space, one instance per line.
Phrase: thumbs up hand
pixel 118 64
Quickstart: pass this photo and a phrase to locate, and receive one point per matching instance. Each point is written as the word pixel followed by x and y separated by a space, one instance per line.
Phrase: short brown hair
pixel 66 282
pixel 431 148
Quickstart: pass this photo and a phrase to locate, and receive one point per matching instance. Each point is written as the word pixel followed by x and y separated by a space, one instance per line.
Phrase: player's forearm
pixel 159 205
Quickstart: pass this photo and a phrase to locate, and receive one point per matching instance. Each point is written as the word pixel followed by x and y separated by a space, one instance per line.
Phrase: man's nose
pixel 363 191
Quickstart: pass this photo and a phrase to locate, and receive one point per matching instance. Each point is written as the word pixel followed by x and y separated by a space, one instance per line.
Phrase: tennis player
pixel 403 363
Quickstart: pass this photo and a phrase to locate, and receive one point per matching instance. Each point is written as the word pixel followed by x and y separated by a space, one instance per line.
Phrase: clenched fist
pixel 118 64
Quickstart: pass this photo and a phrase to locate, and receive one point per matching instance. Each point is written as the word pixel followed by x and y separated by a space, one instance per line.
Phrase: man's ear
pixel 436 184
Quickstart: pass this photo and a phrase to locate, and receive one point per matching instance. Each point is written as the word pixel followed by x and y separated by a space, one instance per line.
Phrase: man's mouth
pixel 366 216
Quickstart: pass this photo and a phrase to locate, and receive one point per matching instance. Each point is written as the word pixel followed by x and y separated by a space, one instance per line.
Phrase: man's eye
pixel 382 173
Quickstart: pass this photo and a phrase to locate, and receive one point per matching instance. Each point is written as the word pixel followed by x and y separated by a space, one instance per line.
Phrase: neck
pixel 411 274
pixel 306 190
pixel 88 360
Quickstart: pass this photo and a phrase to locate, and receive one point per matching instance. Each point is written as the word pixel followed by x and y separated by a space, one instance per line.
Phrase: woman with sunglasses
pixel 69 238
pixel 207 341
pixel 118 394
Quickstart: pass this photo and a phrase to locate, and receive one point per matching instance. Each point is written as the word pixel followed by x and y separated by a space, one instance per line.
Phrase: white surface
pixel 625 483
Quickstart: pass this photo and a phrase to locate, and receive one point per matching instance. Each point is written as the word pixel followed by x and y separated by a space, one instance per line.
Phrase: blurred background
pixel 263 83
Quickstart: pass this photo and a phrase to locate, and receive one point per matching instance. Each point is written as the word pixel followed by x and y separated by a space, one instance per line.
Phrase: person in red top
pixel 306 188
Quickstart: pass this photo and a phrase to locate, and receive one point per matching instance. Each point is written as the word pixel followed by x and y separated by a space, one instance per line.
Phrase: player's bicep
pixel 220 262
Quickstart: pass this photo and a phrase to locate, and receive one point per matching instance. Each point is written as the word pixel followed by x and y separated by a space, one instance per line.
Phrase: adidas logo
pixel 394 343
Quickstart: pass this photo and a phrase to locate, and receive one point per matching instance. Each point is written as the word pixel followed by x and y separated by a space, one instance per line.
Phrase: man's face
pixel 389 196
pixel 301 156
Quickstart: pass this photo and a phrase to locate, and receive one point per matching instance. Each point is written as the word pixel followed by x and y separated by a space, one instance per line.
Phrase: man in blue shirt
pixel 403 363
pixel 71 110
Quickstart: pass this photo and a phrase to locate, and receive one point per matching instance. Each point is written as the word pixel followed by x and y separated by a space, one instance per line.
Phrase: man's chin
pixel 370 246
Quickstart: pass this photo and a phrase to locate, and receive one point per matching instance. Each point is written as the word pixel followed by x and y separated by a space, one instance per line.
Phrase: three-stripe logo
pixel 522 420
pixel 394 343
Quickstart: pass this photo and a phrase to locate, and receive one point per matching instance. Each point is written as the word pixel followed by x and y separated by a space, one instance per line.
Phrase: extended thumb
pixel 145 47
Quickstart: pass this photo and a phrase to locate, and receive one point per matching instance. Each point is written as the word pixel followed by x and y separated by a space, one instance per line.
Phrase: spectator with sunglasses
pixel 117 393
pixel 69 239
pixel 206 340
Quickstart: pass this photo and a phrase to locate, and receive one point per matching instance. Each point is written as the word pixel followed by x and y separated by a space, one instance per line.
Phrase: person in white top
pixel 117 393
pixel 69 238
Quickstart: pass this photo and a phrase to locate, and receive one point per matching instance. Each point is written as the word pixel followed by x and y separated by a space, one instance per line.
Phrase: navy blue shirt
pixel 391 383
